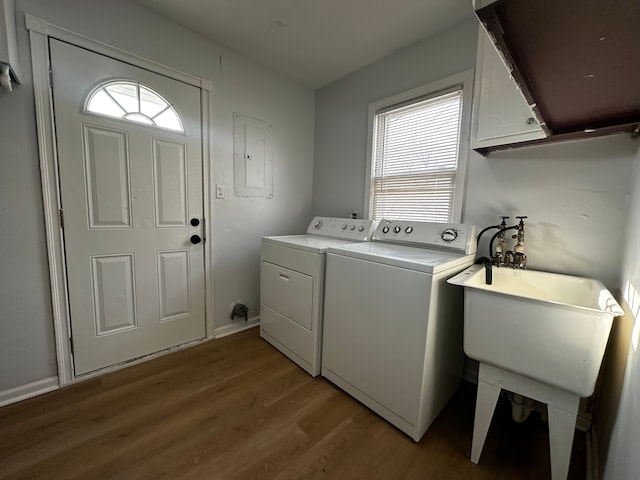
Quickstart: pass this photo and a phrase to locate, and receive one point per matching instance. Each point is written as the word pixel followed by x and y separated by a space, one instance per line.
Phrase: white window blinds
pixel 415 159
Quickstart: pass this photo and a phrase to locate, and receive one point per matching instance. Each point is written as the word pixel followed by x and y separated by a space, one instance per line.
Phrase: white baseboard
pixel 235 327
pixel 22 392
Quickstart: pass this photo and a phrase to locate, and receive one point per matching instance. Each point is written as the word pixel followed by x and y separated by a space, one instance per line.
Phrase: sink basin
pixel 548 327
pixel 539 334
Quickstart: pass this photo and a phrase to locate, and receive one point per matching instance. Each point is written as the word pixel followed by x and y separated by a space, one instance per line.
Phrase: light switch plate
pixel 219 190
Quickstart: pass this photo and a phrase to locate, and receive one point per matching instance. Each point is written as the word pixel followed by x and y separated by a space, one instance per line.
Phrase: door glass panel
pixel 105 104
pixel 168 119
pixel 134 102
pixel 138 117
pixel 150 103
pixel 126 94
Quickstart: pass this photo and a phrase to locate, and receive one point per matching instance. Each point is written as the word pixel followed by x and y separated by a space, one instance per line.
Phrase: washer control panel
pixel 458 237
pixel 347 228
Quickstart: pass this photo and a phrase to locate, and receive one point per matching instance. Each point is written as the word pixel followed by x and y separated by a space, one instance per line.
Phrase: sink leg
pixel 485 405
pixel 562 407
pixel 562 424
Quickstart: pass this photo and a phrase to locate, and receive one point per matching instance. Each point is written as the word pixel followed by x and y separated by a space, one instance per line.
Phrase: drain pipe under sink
pixel 521 407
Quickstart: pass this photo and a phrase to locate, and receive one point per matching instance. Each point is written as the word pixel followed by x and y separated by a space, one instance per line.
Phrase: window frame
pixel 462 81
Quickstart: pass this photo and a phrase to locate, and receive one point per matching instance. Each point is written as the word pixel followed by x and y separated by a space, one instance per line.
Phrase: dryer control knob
pixel 318 224
pixel 361 229
pixel 408 230
pixel 352 228
pixel 396 229
pixel 385 229
pixel 344 226
pixel 449 234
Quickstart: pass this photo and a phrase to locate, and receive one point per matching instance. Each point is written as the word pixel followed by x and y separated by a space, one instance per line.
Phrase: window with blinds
pixel 415 159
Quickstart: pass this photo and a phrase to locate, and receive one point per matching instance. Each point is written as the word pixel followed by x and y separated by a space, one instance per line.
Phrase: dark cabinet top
pixel 578 61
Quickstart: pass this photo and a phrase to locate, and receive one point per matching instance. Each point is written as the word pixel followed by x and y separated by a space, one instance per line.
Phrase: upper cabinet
pixel 501 114
pixel 576 63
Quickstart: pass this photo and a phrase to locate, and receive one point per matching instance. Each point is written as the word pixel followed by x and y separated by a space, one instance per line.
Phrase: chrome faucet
pixel 519 257
pixel 497 258
pixel 515 258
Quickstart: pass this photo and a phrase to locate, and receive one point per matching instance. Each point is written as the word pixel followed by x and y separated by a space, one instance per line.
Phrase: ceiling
pixel 313 42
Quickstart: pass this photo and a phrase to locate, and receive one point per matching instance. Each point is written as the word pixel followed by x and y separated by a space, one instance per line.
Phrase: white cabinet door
pixel 501 114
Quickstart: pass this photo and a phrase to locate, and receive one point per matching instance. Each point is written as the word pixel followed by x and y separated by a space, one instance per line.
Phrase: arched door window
pixel 134 102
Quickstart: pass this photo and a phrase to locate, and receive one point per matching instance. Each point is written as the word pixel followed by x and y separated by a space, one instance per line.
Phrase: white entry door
pixel 130 171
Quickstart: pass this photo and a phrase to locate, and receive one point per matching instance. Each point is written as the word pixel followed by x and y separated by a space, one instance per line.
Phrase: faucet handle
pixel 520 260
pixel 521 217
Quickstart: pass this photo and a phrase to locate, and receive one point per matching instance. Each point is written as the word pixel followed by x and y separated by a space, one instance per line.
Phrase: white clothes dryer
pixel 293 282
pixel 392 334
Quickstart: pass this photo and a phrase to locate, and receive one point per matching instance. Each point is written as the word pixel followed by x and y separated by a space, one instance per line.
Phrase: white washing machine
pixel 292 286
pixel 392 334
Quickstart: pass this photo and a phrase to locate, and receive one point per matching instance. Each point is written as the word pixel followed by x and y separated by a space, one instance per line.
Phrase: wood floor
pixel 235 408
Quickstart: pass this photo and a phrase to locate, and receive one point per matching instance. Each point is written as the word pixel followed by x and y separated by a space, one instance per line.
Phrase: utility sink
pixel 542 335
pixel 549 327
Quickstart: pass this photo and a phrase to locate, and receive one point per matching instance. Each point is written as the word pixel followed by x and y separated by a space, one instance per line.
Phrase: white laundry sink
pixel 542 335
pixel 548 327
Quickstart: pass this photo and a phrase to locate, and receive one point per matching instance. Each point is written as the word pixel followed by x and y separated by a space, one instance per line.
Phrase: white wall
pixel 26 333
pixel 574 193
pixel 27 351
pixel 622 462
pixel 341 111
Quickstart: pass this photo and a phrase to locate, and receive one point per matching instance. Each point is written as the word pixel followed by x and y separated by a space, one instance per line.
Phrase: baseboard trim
pixel 236 327
pixel 28 390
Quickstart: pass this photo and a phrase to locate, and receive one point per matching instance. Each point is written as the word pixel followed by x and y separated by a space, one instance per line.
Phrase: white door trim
pixel 39 32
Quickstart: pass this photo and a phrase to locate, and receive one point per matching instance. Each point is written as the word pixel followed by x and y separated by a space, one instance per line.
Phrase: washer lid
pixel 421 259
pixel 309 243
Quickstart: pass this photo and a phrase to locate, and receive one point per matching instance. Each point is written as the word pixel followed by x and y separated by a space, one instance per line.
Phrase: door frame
pixel 40 31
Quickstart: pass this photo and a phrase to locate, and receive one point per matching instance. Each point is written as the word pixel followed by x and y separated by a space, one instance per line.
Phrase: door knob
pixel 195 239
pixel 195 222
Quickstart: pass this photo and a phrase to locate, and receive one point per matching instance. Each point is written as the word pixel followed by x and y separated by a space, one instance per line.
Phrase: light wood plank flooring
pixel 235 408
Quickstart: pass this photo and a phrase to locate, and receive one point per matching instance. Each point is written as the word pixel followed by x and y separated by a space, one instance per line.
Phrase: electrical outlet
pixel 219 190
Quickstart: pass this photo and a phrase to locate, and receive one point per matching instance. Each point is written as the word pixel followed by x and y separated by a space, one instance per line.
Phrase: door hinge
pixel 61 213
pixel 51 78
pixel 71 345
